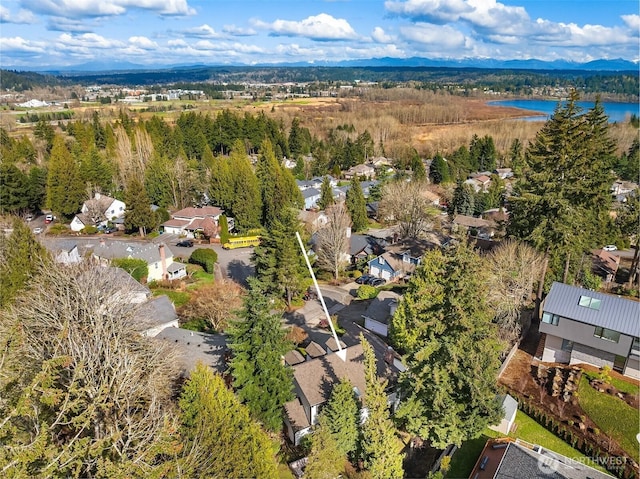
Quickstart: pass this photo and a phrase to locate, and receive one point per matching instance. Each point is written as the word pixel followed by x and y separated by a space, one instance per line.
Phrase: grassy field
pixel 465 458
pixel 619 384
pixel 614 417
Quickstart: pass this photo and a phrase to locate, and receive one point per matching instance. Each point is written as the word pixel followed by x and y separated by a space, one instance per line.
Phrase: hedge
pixel 204 257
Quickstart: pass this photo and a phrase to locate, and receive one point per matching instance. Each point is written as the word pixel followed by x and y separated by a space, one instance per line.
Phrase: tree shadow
pixel 239 271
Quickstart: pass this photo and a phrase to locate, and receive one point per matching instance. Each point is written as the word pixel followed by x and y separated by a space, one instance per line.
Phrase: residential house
pixel 189 221
pixel 380 311
pixel 583 326
pixel 358 171
pixel 64 251
pixel 506 458
pixel 313 220
pixel 605 264
pixel 504 173
pixel 311 197
pixel 400 260
pixel 195 347
pixel 314 379
pixel 98 211
pixel 158 257
pixel 156 314
pixel 479 183
pixel 486 228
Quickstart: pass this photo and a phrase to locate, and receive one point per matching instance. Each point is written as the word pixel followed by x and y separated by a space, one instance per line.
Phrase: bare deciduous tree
pixel 333 240
pixel 403 204
pixel 514 269
pixel 93 395
pixel 216 303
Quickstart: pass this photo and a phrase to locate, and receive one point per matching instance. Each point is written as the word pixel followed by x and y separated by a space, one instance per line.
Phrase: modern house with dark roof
pixel 509 459
pixel 583 326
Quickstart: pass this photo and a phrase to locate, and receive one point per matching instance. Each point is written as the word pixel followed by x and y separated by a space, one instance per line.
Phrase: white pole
pixel 342 354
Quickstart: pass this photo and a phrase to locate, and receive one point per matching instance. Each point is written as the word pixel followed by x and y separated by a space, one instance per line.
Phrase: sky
pixel 40 33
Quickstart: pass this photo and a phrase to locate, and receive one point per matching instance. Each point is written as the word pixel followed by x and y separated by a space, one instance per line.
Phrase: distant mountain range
pixel 618 64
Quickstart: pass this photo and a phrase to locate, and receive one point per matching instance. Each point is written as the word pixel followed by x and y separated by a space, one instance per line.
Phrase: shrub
pixel 58 229
pixel 89 230
pixel 137 268
pixel 356 274
pixel 367 292
pixel 204 257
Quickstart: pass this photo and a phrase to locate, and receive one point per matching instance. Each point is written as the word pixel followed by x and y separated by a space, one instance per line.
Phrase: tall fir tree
pixel 561 203
pixel 278 260
pixel 65 189
pixel 326 194
pixel 357 206
pixel 463 202
pixel 138 214
pixel 13 189
pixel 246 204
pixel 325 461
pixel 221 188
pixel 258 343
pixel 452 355
pixel 439 170
pixel 379 445
pixel 220 438
pixel 341 417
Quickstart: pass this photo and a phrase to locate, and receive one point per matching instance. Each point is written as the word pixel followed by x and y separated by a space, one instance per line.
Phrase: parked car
pixel 185 243
pixel 610 247
pixel 48 219
pixel 376 282
pixel 363 279
pixel 29 217
pixel 37 231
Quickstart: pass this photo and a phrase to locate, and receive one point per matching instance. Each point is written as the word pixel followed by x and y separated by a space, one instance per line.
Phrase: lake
pixel 617 112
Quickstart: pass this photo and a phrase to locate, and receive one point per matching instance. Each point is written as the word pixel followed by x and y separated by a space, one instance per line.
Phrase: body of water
pixel 617 112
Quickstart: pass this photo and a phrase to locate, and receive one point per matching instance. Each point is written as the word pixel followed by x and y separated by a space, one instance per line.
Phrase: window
pixel 635 347
pixel 567 345
pixel 381 260
pixel 550 318
pixel 589 302
pixel 607 334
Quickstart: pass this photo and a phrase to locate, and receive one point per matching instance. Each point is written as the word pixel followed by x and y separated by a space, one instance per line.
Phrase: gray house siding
pixel 583 334
pixel 593 356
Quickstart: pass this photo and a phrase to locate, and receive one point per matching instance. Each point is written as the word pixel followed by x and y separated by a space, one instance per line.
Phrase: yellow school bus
pixel 241 242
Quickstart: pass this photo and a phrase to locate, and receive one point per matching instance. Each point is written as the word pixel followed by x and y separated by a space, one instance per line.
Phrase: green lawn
pixel 614 417
pixel 619 384
pixel 178 297
pixel 465 458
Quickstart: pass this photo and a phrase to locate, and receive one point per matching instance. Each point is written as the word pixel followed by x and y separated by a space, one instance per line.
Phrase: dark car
pixel 376 282
pixel 185 243
pixel 364 279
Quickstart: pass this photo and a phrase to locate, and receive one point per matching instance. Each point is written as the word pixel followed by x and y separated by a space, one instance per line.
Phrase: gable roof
pixel 615 313
pixel 157 311
pixel 148 252
pixel 195 347
pixel 473 222
pixel 380 307
pixel 192 212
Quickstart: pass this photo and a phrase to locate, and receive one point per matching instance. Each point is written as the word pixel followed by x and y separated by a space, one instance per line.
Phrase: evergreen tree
pixel 417 167
pixel 37 188
pixel 65 189
pixel 94 170
pixel 341 416
pixel 561 203
pixel 463 201
pixel 138 214
pixel 157 182
pixel 279 263
pixel 13 189
pixel 261 380
pixel 221 187
pixel 272 187
pixel 21 257
pixel 325 460
pixel 452 360
pixel 220 438
pixel 379 444
pixel 357 206
pixel 326 194
pixel 246 205
pixel 439 170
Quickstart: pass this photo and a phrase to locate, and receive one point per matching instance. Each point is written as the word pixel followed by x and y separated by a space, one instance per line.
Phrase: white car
pixel 610 247
pixel 37 231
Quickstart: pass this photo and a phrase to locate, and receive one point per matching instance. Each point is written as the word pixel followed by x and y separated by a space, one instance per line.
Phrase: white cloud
pixel 100 8
pixel 632 21
pixel 204 31
pixel 68 25
pixel 23 16
pixel 438 36
pixel 433 11
pixel 380 36
pixel 238 31
pixel 320 27
pixel 87 40
pixel 18 45
pixel 143 43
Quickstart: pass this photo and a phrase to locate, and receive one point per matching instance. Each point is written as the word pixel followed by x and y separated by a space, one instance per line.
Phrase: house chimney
pixel 388 356
pixel 348 231
pixel 163 260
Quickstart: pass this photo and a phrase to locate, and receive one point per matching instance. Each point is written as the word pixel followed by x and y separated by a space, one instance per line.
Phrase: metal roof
pixel 618 314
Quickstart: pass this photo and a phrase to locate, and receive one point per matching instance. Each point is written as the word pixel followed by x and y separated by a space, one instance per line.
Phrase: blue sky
pixel 37 33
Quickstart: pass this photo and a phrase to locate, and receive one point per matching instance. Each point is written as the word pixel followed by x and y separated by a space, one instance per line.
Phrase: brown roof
pixel 473 222
pixel 297 417
pixel 177 223
pixel 293 357
pixel 331 344
pixel 314 350
pixel 395 261
pixel 607 261
pixel 197 212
